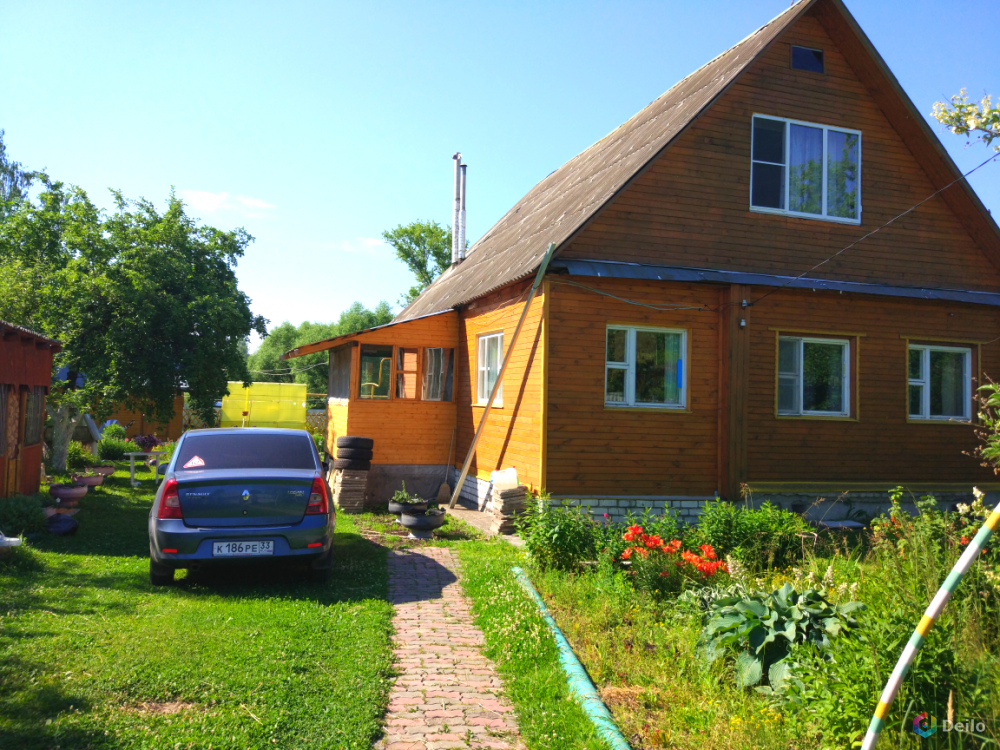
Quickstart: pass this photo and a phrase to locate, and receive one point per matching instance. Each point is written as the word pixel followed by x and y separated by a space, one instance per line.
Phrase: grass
pixel 521 647
pixel 92 656
pixel 381 528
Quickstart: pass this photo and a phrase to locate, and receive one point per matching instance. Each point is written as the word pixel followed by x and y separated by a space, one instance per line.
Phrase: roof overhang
pixel 350 338
pixel 9 331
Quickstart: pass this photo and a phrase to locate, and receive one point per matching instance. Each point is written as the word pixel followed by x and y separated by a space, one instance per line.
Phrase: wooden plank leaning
pixel 503 368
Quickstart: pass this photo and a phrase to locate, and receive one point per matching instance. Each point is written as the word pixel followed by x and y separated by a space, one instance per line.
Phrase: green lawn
pixel 91 655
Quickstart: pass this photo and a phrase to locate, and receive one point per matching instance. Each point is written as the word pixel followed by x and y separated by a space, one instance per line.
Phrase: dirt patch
pixel 163 709
pixel 622 697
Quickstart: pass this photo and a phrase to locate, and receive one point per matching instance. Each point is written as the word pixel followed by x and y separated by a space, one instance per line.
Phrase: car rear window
pixel 248 451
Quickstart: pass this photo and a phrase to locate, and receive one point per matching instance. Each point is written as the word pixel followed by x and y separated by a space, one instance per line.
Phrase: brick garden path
pixel 447 694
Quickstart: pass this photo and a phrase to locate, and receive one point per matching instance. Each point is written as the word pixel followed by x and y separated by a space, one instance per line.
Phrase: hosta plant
pixel 763 627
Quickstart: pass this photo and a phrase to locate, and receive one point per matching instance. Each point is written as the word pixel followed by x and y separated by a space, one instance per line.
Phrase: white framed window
pixel 489 360
pixel 804 169
pixel 940 382
pixel 814 377
pixel 645 367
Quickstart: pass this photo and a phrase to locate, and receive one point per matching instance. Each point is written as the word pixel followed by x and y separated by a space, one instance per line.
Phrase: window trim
pixel 481 338
pixel 797 214
pixel 926 416
pixel 629 367
pixel 848 384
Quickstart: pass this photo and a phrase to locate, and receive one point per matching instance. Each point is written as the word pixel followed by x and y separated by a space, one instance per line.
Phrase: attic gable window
pixel 804 58
pixel 806 170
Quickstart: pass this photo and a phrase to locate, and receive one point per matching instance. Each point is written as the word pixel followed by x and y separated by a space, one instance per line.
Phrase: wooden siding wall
pixel 602 450
pixel 881 446
pixel 513 434
pixel 23 365
pixel 405 431
pixel 691 207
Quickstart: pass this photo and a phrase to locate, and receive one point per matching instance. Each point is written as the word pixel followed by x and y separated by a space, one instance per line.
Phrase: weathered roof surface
pixel 345 338
pixel 6 327
pixel 560 204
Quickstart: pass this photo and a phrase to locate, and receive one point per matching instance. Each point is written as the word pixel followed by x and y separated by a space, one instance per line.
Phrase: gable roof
pixel 9 329
pixel 560 205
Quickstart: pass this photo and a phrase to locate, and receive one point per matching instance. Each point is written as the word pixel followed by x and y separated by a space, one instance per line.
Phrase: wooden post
pixel 503 368
pixel 736 366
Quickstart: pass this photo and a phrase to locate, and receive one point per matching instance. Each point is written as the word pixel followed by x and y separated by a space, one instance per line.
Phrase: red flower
pixel 964 540
pixel 632 533
pixel 627 554
pixel 672 547
pixel 652 541
pixel 707 551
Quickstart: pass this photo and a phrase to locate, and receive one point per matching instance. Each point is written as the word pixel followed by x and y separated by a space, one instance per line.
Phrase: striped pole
pixel 917 639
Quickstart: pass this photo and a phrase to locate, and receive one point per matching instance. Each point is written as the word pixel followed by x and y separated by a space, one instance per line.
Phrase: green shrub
pixel 405 498
pixel 114 449
pixel 766 537
pixel 765 626
pixel 78 457
pixel 557 537
pixel 320 442
pixel 114 431
pixel 21 514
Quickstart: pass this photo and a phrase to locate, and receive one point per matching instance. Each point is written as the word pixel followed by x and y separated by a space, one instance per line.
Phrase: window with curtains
pixel 3 420
pixel 489 361
pixel 339 379
pixel 439 366
pixel 803 169
pixel 814 377
pixel 645 367
pixel 34 415
pixel 940 382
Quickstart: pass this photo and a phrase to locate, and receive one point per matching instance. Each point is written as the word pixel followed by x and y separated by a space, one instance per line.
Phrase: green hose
pixel 579 683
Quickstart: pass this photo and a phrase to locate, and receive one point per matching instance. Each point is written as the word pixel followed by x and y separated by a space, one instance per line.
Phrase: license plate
pixel 243 549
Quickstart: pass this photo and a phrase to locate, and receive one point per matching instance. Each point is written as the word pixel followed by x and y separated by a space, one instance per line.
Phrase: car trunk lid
pixel 257 498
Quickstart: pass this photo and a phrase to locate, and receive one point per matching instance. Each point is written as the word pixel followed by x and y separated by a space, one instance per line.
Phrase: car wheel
pixel 160 575
pixel 322 569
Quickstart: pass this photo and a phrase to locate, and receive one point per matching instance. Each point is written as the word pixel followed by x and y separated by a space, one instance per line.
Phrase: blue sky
pixel 319 125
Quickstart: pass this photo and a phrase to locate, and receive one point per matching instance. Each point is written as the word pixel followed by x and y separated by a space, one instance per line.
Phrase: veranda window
pixel 375 372
pixel 813 377
pixel 339 379
pixel 34 415
pixel 406 372
pixel 439 367
pixel 940 382
pixel 489 360
pixel 645 367
pixel 802 169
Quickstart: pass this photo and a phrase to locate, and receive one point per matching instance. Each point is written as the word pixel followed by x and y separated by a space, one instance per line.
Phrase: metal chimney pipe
pixel 456 256
pixel 461 218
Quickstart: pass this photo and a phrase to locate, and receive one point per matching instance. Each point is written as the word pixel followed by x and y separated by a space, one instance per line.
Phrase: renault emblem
pixel 246 495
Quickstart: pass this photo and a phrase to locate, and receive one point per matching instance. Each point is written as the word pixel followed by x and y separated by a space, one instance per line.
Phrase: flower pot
pixel 104 471
pixel 68 495
pixel 88 480
pixel 411 508
pixel 422 524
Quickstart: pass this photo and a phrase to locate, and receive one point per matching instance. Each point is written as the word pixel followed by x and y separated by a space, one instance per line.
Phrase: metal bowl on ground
pixel 411 508
pixel 87 480
pixel 421 525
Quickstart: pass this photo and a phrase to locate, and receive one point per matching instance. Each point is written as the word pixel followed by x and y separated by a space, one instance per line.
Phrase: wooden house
pixel 25 375
pixel 725 308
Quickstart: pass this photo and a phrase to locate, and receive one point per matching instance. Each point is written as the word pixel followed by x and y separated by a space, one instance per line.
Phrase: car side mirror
pixel 161 469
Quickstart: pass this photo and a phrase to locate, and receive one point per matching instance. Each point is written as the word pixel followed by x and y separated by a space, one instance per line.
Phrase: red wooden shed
pixel 25 375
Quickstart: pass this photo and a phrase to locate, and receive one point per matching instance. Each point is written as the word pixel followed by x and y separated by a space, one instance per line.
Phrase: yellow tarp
pixel 265 405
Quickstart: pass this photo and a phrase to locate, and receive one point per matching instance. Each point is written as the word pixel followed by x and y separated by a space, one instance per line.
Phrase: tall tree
pixel 425 248
pixel 963 117
pixel 266 366
pixel 144 303
pixel 14 179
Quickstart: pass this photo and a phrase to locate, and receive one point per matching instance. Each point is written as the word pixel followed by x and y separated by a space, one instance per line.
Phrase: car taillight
pixel 317 499
pixel 170 503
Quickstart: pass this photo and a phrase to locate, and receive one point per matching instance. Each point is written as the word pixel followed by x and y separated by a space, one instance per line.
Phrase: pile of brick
pixel 505 506
pixel 350 472
pixel 349 489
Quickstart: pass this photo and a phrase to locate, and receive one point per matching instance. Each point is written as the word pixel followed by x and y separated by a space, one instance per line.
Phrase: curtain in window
pixel 805 173
pixel 657 368
pixel 842 174
pixel 947 384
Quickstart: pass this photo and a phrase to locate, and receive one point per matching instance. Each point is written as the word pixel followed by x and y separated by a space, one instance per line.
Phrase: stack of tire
pixel 354 453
